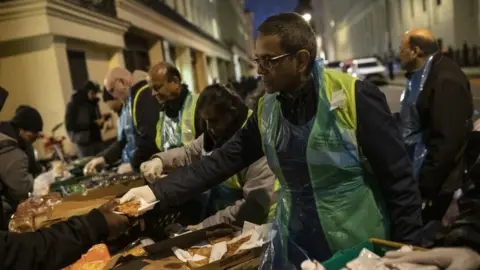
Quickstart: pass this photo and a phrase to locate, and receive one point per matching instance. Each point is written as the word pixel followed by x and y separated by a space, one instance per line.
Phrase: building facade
pixel 50 47
pixel 357 28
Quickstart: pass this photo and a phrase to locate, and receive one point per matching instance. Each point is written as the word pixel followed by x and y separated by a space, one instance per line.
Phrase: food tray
pixel 84 183
pixel 377 246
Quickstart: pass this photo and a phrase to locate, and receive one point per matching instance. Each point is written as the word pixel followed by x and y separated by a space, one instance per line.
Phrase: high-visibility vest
pixel 172 133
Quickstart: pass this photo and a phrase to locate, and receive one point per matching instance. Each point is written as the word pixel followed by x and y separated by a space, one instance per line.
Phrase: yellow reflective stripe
pixel 271 212
pixel 233 182
pixel 259 120
pixel 135 100
pixel 158 137
pixel 188 119
pixel 250 112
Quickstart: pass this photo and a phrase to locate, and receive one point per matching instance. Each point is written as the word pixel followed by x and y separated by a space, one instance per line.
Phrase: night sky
pixel 265 8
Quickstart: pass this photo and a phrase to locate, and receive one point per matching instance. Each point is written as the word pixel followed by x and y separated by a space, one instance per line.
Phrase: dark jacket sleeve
pixel 114 151
pixel 382 144
pixel 52 248
pixel 146 114
pixel 243 149
pixel 450 124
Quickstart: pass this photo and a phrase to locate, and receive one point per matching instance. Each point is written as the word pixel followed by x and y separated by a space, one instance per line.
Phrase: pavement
pixel 394 90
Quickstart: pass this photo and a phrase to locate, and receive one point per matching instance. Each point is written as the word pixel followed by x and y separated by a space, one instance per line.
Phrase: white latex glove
pixel 311 265
pixel 124 168
pixel 143 192
pixel 41 184
pixel 92 165
pixel 152 169
pixel 445 258
pixel 476 125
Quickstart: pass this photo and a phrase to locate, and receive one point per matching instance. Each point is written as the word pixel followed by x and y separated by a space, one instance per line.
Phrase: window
pixel 424 5
pixel 77 64
pixel 412 8
pixel 136 53
pixel 439 2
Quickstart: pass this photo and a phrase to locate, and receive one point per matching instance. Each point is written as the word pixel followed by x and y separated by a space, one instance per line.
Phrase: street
pixel 394 91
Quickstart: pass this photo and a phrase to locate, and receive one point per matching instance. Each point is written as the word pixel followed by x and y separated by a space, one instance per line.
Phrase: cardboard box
pixel 160 255
pixel 79 204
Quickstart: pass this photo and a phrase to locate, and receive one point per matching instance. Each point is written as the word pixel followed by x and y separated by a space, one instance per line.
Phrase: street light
pixel 307 17
pixel 304 8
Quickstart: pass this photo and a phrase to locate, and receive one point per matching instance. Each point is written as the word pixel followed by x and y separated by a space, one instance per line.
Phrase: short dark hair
pixel 172 72
pixel 220 98
pixel 91 86
pixel 427 46
pixel 295 33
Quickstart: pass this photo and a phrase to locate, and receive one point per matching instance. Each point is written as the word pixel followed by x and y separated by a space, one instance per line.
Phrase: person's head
pixel 285 50
pixel 165 81
pixel 218 107
pixel 112 103
pixel 29 123
pixel 118 82
pixel 415 48
pixel 92 89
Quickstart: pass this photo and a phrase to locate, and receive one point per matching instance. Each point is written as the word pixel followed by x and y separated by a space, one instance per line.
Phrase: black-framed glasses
pixel 270 62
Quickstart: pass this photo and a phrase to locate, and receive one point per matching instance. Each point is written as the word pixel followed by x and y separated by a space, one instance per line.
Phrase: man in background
pixel 436 120
pixel 136 124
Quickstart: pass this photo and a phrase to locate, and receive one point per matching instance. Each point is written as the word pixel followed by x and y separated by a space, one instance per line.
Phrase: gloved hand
pixel 445 258
pixel 92 165
pixel 117 224
pixel 311 265
pixel 152 169
pixel 124 168
pixel 143 192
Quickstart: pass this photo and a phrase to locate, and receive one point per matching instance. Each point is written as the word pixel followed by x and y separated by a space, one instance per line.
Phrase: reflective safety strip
pixel 135 101
pixel 188 119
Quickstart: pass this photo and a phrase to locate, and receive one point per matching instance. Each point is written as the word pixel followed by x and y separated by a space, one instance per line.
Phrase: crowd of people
pixel 320 155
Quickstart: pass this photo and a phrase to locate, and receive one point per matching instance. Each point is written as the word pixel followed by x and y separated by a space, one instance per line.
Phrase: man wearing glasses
pixel 331 141
pixel 136 124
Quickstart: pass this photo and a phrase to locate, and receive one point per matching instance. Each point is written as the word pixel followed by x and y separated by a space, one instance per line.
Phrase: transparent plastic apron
pixel 413 133
pixel 126 128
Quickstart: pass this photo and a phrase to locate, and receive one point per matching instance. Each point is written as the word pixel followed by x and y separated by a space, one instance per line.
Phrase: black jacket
pixel 378 136
pixel 445 107
pixel 81 116
pixel 52 248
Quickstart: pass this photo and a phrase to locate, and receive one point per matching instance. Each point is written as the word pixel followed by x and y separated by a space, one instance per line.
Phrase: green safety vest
pixel 232 189
pixel 171 134
pixel 346 196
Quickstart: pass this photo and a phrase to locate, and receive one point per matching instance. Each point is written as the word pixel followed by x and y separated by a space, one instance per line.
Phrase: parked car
pixel 369 69
pixel 335 65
